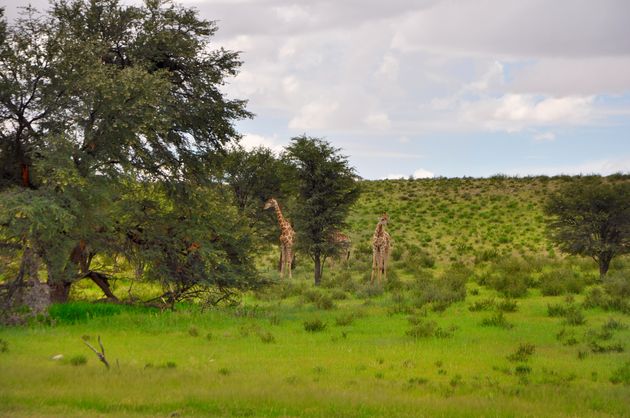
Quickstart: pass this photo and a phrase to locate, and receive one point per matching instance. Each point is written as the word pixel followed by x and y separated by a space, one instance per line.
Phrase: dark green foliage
pixel 621 375
pixel 327 188
pixel 522 353
pixel 522 369
pixel 482 305
pixel 78 360
pixel 562 281
pixel 111 96
pixel 4 346
pixel 255 176
pixel 574 316
pixel 444 290
pixel 496 320
pixel 511 277
pixel 507 305
pixel 422 328
pixel 555 310
pixel 314 325
pixel 596 347
pixel 591 217
pixel 71 313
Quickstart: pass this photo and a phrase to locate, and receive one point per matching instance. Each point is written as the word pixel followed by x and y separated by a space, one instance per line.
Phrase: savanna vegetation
pixel 139 271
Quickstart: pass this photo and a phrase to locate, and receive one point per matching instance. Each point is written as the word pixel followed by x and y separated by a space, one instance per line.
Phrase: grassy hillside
pixel 480 316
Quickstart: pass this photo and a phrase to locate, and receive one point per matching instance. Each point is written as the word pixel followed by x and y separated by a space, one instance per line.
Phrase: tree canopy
pixel 590 216
pixel 326 189
pixel 102 103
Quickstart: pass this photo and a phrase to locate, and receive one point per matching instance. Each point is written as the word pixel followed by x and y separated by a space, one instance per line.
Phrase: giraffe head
pixel 384 218
pixel 270 203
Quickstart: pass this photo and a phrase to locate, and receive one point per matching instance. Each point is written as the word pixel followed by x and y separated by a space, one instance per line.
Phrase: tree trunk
pixel 102 281
pixel 604 264
pixel 59 291
pixel 318 270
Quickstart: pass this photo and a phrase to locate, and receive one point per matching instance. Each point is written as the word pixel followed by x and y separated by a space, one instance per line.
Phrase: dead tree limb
pixel 101 355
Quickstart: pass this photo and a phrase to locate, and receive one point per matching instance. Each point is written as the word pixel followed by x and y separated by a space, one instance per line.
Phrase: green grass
pixel 369 367
pixel 522 343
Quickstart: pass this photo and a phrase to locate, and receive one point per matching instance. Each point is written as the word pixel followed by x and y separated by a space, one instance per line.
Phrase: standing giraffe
pixel 287 237
pixel 381 242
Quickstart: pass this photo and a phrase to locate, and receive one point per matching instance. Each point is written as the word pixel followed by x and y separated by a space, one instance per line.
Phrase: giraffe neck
pixel 379 230
pixel 281 220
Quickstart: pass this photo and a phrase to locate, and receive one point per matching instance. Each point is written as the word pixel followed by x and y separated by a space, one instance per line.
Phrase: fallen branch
pixel 101 355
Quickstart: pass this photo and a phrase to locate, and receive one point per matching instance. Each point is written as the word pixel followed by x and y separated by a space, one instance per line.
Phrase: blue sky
pixel 436 87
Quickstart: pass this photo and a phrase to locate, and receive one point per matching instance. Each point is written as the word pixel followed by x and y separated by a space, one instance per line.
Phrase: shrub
pixel 507 305
pixel 621 375
pixel 611 348
pixel 344 320
pixel 574 316
pixel 556 310
pixel 443 291
pixel 266 337
pixel 496 320
pixel 325 302
pixel 562 281
pixel 511 277
pixel 422 329
pixel 614 325
pixel 314 325
pixel 78 360
pixel 523 353
pixel 482 305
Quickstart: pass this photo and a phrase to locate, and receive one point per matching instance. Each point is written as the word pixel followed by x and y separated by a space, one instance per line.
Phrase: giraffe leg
pixel 283 257
pixel 289 261
pixel 374 259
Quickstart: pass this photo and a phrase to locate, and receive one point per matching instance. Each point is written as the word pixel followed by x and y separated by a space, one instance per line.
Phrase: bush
pixel 574 316
pixel 507 305
pixel 314 325
pixel 78 360
pixel 621 375
pixel 482 305
pixel 556 310
pixel 443 291
pixel 523 353
pixel 511 277
pixel 344 320
pixel 562 281
pixel 496 320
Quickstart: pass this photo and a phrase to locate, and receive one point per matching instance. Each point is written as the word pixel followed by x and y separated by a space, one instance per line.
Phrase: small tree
pixel 591 217
pixel 327 188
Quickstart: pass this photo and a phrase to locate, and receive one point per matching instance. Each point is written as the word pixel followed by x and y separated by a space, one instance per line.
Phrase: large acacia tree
pixel 94 96
pixel 326 189
pixel 590 216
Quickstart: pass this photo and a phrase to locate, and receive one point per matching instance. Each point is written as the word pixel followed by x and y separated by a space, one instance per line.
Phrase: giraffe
pixel 341 240
pixel 287 237
pixel 381 242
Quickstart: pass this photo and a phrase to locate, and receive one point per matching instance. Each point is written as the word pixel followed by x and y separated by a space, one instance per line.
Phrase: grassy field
pixel 480 317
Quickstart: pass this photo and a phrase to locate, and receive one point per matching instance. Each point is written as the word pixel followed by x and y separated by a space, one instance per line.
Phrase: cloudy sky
pixel 436 87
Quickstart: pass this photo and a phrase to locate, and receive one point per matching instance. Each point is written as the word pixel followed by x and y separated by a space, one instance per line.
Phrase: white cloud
pixel 250 141
pixel 394 177
pixel 421 173
pixel 514 112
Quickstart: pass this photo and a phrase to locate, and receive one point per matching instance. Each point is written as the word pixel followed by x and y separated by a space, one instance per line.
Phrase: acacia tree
pixel 590 216
pixel 97 94
pixel 327 188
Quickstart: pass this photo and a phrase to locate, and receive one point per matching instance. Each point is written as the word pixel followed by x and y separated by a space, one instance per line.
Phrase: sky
pixel 434 87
